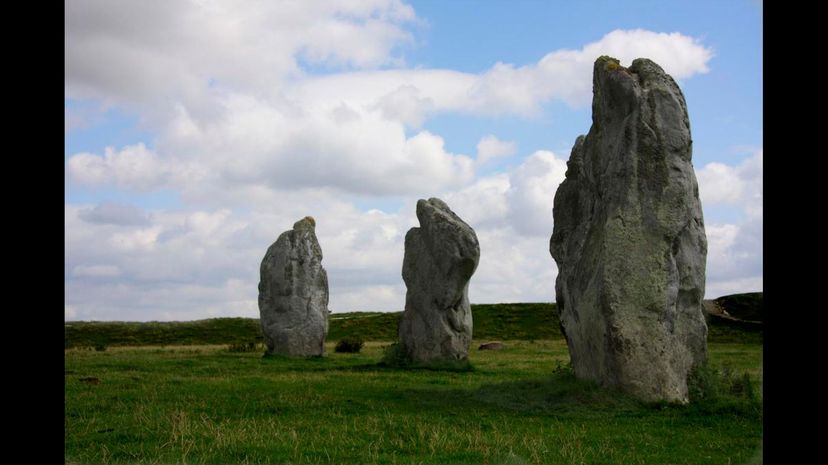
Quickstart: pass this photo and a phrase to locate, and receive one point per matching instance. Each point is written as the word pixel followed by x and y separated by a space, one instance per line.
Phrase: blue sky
pixel 197 132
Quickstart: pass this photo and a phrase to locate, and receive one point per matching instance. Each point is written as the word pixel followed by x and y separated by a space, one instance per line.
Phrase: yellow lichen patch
pixel 310 219
pixel 612 66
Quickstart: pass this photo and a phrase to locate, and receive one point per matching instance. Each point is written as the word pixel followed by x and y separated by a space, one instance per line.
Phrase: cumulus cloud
pixel 521 198
pixel 134 167
pixel 532 192
pixel 566 74
pixel 738 186
pixel 251 141
pixel 179 261
pixel 205 262
pixel 734 257
pixel 405 104
pixel 148 51
pixel 491 147
pixel 257 144
pixel 200 263
pixel 219 128
pixel 505 88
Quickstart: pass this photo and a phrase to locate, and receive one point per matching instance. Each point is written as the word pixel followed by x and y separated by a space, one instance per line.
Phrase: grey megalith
pixel 440 259
pixel 293 293
pixel 629 238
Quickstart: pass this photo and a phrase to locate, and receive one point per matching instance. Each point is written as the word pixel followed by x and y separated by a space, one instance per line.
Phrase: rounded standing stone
pixel 293 293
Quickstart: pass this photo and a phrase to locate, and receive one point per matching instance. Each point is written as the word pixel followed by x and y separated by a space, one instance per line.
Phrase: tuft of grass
pixel 245 347
pixel 394 356
pixel 349 345
pixel 717 390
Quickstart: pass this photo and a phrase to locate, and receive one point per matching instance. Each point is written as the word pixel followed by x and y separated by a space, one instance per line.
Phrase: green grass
pixel 724 330
pixel 204 404
pixel 120 333
pixel 523 321
pixel 368 326
pixel 491 321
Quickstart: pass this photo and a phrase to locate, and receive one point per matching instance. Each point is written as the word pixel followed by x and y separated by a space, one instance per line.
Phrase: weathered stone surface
pixel 293 293
pixel 440 258
pixel 629 238
pixel 491 346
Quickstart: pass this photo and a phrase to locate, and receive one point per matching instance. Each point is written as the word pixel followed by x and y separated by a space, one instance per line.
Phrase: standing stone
pixel 629 238
pixel 440 258
pixel 293 293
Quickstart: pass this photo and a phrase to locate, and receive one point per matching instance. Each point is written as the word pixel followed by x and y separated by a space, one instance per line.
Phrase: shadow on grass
pixel 563 396
pixel 394 363
pixel 320 364
pixel 559 395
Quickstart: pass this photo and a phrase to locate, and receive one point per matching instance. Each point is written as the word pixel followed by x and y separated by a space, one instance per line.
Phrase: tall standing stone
pixel 629 238
pixel 293 293
pixel 440 258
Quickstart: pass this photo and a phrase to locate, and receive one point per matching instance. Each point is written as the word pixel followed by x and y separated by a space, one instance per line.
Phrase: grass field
pixel 204 404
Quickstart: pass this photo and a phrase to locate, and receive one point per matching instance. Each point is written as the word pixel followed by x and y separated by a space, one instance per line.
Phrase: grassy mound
pixel 516 321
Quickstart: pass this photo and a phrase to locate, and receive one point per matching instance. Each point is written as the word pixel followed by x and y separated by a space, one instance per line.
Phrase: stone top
pixel 304 223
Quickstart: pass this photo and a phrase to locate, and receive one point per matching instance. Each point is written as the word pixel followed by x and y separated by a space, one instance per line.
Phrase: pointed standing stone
pixel 440 258
pixel 293 293
pixel 629 238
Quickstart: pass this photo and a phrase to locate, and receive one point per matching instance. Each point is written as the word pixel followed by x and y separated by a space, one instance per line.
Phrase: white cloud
pixel 739 186
pixel 96 271
pixel 256 144
pixel 134 167
pixel 734 256
pixel 183 261
pixel 566 74
pixel 507 88
pixel 406 105
pixel 251 142
pixel 513 268
pixel 153 50
pixel 195 264
pixel 482 204
pixel 521 198
pixel 227 121
pixel 206 263
pixel 491 147
pixel 532 192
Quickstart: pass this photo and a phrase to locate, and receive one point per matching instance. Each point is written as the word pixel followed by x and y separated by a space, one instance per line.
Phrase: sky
pixel 196 132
